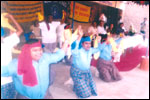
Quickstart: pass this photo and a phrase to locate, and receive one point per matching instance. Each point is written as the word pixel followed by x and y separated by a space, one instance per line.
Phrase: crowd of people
pixel 29 76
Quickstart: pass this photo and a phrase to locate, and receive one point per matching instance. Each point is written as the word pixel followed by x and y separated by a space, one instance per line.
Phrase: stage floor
pixel 134 85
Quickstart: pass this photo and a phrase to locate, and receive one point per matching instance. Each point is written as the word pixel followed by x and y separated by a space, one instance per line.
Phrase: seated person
pixel 110 29
pixel 131 31
pixel 120 29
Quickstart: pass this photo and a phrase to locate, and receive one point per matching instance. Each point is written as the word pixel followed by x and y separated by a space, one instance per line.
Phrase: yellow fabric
pixel 5 22
pixel 40 16
pixel 121 34
pixel 91 36
pixel 25 11
pixel 121 46
pixel 64 14
pixel 16 51
pixel 68 32
pixel 81 12
pixel 75 32
pixel 96 55
pixel 108 33
pixel 114 45
pixel 56 49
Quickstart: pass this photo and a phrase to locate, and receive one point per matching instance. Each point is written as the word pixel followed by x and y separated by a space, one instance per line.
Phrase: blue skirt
pixel 8 91
pixel 84 85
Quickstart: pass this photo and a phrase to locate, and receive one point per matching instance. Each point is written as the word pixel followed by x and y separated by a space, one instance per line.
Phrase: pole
pixel 147 48
pixel 73 16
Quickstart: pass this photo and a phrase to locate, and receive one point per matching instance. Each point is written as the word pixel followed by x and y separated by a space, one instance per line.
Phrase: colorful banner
pixel 25 11
pixel 81 13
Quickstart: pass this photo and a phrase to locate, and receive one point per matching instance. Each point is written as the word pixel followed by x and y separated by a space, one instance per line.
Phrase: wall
pixel 135 14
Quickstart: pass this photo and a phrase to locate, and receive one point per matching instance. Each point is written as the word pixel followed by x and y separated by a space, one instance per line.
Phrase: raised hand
pixel 80 32
pixel 99 39
pixel 7 15
pixel 66 34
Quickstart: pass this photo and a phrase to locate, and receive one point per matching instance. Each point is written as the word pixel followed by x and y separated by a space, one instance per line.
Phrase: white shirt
pixel 6 53
pixel 48 36
pixel 101 30
pixel 92 30
pixel 103 18
pixel 60 30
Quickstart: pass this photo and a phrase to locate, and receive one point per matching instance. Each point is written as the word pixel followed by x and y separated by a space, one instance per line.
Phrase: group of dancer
pixel 30 71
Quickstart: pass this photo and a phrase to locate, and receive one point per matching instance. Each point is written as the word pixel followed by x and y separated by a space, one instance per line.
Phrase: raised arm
pixel 77 42
pixel 10 69
pixel 97 45
pixel 19 29
pixel 57 56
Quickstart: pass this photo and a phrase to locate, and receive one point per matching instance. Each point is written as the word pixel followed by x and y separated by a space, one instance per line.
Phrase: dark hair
pixel 94 22
pixel 47 16
pixel 35 22
pixel 101 21
pixel 103 37
pixel 120 24
pixel 31 41
pixel 67 26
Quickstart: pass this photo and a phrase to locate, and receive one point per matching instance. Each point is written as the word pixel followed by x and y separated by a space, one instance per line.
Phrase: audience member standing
pixel 48 29
pixel 143 27
pixel 100 28
pixel 103 17
pixel 36 30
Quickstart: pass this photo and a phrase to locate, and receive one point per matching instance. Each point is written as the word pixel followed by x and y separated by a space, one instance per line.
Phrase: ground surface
pixel 134 85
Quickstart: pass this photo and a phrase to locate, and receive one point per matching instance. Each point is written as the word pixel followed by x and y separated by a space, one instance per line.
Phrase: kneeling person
pixel 107 69
pixel 84 86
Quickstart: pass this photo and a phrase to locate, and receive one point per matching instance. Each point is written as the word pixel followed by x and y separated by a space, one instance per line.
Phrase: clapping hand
pixel 99 39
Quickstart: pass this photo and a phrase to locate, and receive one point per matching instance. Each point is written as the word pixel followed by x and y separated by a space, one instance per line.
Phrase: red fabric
pixel 48 27
pixel 25 66
pixel 128 61
pixel 142 2
pixel 67 26
pixel 94 62
pixel 131 59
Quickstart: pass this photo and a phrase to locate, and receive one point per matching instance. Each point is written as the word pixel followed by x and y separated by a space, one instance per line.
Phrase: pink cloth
pixel 25 66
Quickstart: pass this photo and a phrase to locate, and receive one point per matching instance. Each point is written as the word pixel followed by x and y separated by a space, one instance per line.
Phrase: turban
pixel 25 66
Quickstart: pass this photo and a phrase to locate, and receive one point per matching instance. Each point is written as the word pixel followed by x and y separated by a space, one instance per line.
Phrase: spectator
pixel 120 29
pixel 103 17
pixel 143 27
pixel 92 30
pixel 48 28
pixel 100 28
pixel 110 29
pixel 131 30
pixel 36 30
